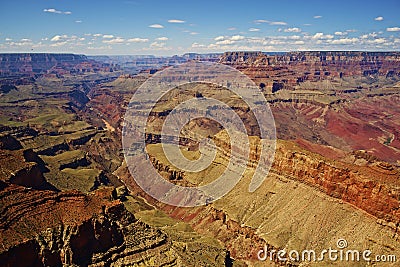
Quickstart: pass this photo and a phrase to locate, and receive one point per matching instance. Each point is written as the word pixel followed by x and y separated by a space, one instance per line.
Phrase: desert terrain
pixel 67 196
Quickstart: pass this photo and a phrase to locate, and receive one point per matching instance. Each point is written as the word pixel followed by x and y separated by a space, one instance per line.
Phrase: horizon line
pixel 206 53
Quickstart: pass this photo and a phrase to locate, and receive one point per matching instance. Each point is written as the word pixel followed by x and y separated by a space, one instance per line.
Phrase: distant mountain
pixel 46 63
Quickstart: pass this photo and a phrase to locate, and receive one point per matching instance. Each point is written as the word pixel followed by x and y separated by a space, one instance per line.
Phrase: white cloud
pixel 100 48
pixel 156 26
pixel 219 38
pixel 277 23
pixel 244 47
pixel 97 34
pixel 8 39
pixel 78 21
pixel 345 41
pixel 377 41
pixel 378 18
pixel 351 30
pixel 194 33
pixel 162 39
pixel 322 36
pixel 197 45
pixel 225 42
pixel 25 40
pixel 65 38
pixel 55 11
pixel 176 21
pixel 340 33
pixel 275 42
pixel 56 38
pixel 256 40
pixel 21 44
pixel 393 29
pixel 108 36
pixel 298 42
pixel 58 44
pixel 292 30
pixel 138 40
pixel 254 30
pixel 371 34
pixel 237 37
pixel 117 40
pixel 52 10
pixel 259 21
pixel 157 45
pixel 232 29
pixel 222 40
pixel 317 17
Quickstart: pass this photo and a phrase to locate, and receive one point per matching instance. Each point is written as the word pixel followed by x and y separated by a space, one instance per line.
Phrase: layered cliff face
pixel 323 185
pixel 348 100
pixel 241 57
pixel 41 63
pixel 55 237
pixel 335 173
pixel 45 228
pixel 290 70
pixel 36 63
pixel 367 124
pixel 40 226
pixel 58 196
pixel 306 202
pixel 373 188
pixel 361 63
pixel 19 169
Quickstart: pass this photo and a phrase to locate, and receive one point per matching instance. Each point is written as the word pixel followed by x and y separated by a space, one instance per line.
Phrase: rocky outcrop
pixel 307 200
pixel 23 167
pixel 42 63
pixel 6 88
pixel 52 144
pixel 79 98
pixel 304 193
pixel 39 227
pixel 35 63
pixel 368 62
pixel 8 142
pixel 78 228
pixel 365 124
pixel 372 188
pixel 45 228
pixel 241 57
pixel 290 69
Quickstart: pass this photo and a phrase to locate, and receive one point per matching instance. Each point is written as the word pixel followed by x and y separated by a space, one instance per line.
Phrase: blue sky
pixel 129 27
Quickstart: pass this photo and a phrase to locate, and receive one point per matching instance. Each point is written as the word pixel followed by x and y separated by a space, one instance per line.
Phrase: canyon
pixel 67 196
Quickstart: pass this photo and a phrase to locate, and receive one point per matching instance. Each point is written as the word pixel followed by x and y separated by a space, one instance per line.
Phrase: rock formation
pixel 67 197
